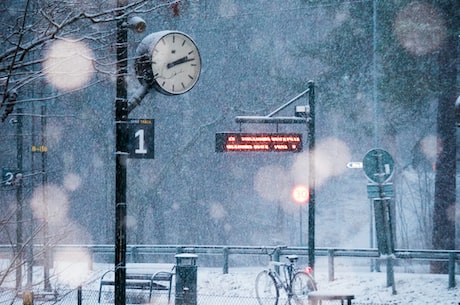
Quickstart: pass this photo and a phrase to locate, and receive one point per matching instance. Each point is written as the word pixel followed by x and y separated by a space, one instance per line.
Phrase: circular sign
pixel 378 165
pixel 301 194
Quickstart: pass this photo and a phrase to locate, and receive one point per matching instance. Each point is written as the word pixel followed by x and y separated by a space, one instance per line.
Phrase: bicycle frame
pixel 288 274
pixel 295 282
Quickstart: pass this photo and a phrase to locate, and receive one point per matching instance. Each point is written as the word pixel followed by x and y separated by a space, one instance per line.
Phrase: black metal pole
pixel 46 239
pixel 121 118
pixel 311 176
pixel 19 212
pixel 79 295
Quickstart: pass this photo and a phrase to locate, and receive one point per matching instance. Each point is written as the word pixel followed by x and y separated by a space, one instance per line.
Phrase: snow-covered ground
pixel 237 287
pixel 368 288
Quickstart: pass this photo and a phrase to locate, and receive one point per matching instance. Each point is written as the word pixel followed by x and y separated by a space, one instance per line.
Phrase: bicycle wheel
pixel 302 284
pixel 266 290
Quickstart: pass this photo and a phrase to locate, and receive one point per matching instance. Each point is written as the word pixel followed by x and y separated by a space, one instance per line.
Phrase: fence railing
pixel 135 252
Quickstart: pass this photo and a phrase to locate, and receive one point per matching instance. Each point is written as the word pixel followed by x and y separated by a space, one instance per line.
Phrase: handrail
pixel 254 250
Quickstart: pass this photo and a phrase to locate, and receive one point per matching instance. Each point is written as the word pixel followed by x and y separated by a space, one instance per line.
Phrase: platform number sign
pixel 141 138
pixel 8 176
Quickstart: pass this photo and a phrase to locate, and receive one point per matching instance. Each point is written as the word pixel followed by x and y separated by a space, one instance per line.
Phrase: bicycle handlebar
pixel 275 250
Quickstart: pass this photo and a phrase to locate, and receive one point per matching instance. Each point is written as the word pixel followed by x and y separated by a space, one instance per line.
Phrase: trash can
pixel 186 279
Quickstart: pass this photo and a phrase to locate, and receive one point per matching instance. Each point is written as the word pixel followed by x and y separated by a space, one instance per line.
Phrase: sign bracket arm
pixel 288 103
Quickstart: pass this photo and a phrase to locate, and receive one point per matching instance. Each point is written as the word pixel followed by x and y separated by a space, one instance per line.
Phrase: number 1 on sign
pixel 140 134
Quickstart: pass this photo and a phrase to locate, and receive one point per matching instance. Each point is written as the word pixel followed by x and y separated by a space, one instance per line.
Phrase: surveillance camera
pixel 13 121
pixel 137 24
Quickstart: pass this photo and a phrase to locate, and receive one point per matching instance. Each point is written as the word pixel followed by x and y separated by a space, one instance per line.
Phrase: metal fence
pixel 222 254
pixel 89 297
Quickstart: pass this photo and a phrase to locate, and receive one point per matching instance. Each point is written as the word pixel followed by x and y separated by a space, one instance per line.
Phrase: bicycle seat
pixel 292 258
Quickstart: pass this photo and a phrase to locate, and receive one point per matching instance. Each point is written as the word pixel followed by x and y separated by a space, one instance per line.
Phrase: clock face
pixel 175 62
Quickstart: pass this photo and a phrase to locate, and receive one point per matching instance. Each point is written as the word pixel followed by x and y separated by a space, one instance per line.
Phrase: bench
pixel 141 281
pixel 315 296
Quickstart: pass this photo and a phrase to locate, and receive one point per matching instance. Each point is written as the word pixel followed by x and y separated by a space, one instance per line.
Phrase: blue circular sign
pixel 378 165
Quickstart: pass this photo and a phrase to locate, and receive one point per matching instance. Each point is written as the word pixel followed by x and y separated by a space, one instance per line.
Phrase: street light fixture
pixel 137 24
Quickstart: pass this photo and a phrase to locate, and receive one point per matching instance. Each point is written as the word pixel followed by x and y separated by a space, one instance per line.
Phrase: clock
pixel 169 61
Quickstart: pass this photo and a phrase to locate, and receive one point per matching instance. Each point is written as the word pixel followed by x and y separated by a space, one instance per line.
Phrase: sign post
pixel 304 114
pixel 378 166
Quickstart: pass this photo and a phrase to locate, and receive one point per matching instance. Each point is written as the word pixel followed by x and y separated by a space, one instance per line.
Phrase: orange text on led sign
pixel 263 142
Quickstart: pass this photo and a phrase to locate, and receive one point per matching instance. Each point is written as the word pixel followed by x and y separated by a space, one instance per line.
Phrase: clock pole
pixel 121 154
pixel 123 107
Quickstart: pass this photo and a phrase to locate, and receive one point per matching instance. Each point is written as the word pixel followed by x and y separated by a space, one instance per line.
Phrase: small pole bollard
pixel 276 258
pixel 452 257
pixel 330 258
pixel 79 295
pixel 226 253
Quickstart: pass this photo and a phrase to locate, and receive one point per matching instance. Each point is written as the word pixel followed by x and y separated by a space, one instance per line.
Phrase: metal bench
pixel 317 296
pixel 141 281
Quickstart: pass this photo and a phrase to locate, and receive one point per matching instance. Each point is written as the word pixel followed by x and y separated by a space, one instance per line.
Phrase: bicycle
pixel 296 283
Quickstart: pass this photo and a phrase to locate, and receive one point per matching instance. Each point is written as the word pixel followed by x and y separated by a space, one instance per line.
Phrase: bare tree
pixel 29 28
pixel 445 185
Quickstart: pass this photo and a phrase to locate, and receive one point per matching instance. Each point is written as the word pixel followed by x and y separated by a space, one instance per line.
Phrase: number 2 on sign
pixel 140 134
pixel 9 176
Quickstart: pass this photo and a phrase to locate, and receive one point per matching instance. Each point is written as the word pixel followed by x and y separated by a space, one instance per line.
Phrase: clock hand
pixel 179 61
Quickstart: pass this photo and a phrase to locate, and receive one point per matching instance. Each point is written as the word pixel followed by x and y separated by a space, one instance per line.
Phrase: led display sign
pixel 258 142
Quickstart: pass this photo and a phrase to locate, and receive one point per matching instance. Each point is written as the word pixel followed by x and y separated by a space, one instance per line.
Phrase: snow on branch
pixel 30 34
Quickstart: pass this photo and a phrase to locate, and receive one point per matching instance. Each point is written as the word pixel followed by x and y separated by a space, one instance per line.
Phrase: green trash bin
pixel 186 279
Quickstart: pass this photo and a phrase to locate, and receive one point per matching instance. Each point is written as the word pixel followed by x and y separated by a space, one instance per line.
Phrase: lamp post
pixel 122 110
pixel 185 73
